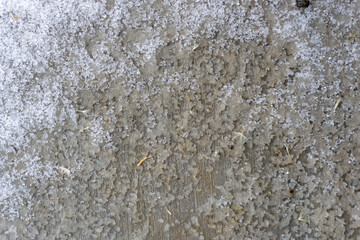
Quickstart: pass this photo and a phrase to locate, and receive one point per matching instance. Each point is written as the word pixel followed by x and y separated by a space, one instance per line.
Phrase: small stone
pixel 98 229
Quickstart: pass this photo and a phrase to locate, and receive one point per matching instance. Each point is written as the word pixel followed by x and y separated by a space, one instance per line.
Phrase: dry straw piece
pixel 142 160
pixel 337 104
pixel 15 18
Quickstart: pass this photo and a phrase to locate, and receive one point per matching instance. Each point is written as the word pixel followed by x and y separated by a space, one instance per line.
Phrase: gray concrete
pixel 247 110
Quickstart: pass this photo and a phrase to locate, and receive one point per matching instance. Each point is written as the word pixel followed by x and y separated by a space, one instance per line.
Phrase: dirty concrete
pixel 247 110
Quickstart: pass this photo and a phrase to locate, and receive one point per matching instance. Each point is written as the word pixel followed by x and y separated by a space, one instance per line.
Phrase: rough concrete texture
pixel 248 110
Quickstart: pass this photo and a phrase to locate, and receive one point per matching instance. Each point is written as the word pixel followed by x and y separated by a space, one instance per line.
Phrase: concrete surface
pixel 247 110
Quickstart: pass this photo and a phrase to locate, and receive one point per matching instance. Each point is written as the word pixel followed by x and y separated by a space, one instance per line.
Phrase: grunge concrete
pixel 179 119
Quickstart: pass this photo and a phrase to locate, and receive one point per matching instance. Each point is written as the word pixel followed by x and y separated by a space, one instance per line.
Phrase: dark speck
pixel 302 3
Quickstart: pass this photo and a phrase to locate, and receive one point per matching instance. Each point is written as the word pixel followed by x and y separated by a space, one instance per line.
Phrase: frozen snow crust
pixel 247 110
